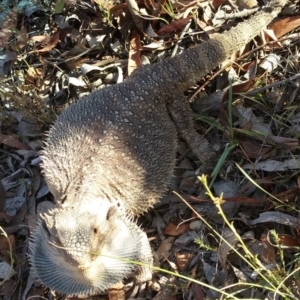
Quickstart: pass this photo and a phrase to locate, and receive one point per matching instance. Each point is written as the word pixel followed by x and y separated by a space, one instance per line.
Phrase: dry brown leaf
pixel 218 3
pixel 199 294
pixel 12 142
pixel 252 149
pixel 250 64
pixel 134 58
pixel 175 230
pixel 164 248
pixel 224 248
pixel 288 196
pixel 42 39
pixel 285 241
pixel 264 251
pixel 183 260
pixel 265 182
pixel 206 28
pixel 76 63
pixel 285 25
pixel 289 142
pixel 117 9
pixel 174 26
pixel 247 200
pixel 267 252
pixel 48 44
pixel 288 242
pixel 242 87
pixel 246 4
pixel 33 74
pixel 117 292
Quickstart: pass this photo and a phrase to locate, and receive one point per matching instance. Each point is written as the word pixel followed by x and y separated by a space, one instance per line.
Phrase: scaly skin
pixel 111 156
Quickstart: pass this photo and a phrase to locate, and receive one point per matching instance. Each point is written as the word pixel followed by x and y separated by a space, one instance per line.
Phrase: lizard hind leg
pixel 180 112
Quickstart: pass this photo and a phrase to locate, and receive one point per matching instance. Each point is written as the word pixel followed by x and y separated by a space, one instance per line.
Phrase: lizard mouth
pixel 114 262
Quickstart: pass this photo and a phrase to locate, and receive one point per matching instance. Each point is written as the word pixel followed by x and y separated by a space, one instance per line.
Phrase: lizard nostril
pixel 95 230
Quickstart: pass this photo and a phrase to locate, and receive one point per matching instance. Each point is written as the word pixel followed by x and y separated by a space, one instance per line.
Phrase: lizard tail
pixel 244 32
pixel 195 63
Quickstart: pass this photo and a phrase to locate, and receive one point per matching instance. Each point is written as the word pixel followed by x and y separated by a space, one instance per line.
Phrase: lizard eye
pixel 112 210
pixel 95 230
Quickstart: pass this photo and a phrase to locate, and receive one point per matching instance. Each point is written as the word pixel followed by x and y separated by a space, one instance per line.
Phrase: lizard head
pixel 85 249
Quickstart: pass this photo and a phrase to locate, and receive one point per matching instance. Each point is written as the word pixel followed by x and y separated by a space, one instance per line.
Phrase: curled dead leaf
pixel 176 230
